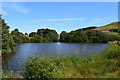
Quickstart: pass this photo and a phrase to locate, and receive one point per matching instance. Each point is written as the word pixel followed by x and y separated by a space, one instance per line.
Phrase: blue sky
pixel 60 16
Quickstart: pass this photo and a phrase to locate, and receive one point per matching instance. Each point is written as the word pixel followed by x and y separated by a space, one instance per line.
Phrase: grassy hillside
pixel 114 25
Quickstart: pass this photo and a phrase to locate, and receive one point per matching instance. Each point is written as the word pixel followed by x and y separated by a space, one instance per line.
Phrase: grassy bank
pixel 104 65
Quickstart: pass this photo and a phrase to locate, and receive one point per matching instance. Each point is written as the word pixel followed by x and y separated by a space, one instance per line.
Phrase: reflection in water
pixel 25 50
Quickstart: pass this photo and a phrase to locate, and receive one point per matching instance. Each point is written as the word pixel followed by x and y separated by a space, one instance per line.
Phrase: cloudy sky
pixel 61 16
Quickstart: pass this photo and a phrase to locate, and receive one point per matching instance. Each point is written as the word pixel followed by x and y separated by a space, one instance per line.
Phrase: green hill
pixel 114 25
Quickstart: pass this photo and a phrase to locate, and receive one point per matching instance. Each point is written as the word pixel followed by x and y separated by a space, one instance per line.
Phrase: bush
pixel 37 67
pixel 113 51
pixel 6 74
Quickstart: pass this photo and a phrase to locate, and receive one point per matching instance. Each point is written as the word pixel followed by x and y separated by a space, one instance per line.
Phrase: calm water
pixel 22 51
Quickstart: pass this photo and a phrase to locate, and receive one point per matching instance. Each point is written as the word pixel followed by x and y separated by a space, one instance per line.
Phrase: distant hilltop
pixel 114 25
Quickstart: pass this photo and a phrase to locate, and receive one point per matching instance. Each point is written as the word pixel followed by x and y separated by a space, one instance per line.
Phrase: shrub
pixel 6 74
pixel 37 67
pixel 113 51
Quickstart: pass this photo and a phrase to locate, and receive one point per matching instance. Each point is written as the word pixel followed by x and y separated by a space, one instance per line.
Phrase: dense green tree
pixel 43 35
pixel 91 36
pixel 114 30
pixel 24 38
pixel 26 34
pixel 63 36
pixel 36 39
pixel 74 36
pixel 16 36
pixel 32 34
pixel 7 39
pixel 89 28
pixel 19 37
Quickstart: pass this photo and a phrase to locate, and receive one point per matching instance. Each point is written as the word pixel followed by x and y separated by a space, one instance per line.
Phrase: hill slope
pixel 114 25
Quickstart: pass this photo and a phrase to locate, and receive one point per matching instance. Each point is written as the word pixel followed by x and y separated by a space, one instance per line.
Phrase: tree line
pixel 88 36
pixel 10 39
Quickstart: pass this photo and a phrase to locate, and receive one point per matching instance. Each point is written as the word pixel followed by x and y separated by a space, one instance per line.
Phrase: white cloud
pixel 96 21
pixel 19 8
pixel 99 20
pixel 107 18
pixel 15 7
pixel 69 19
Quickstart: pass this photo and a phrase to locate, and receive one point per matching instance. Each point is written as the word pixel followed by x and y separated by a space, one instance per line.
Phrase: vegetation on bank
pixel 43 35
pixel 104 65
pixel 8 42
pixel 88 36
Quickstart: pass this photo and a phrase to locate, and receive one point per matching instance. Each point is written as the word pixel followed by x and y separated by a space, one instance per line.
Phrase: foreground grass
pixel 105 65
pixel 8 74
